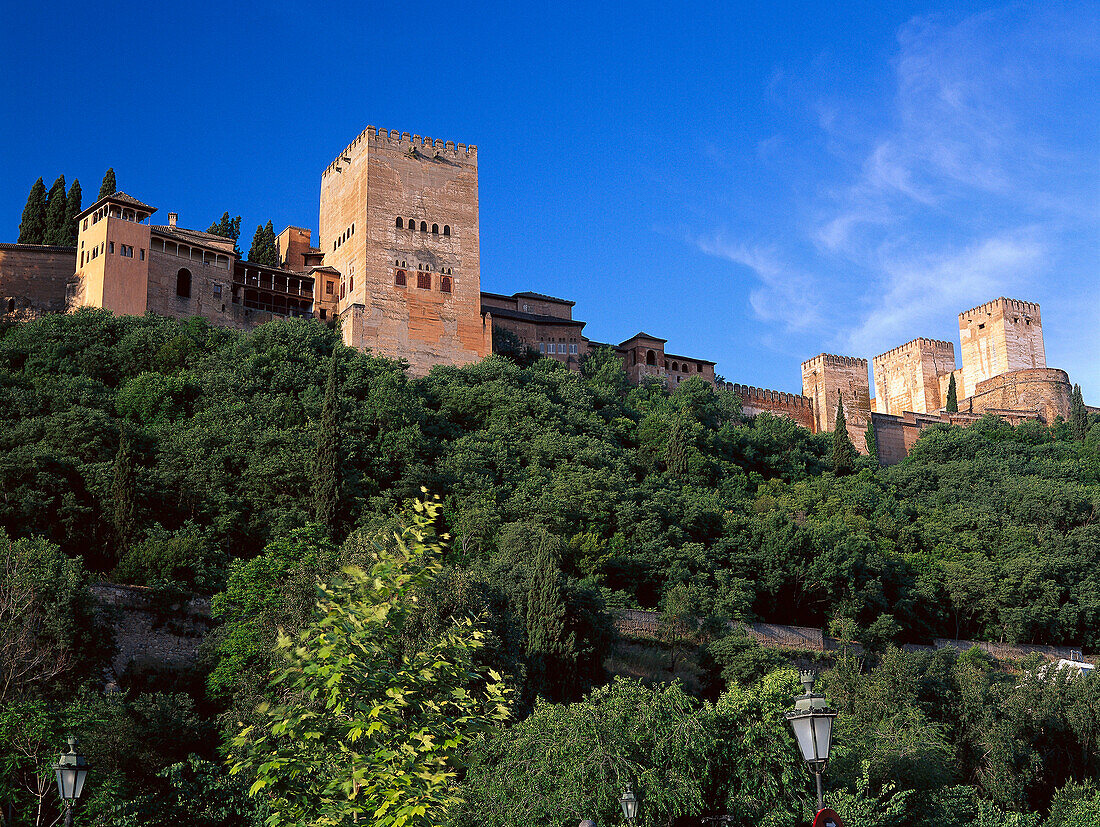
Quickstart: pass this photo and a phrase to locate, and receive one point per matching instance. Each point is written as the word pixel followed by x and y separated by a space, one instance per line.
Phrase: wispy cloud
pixel 784 294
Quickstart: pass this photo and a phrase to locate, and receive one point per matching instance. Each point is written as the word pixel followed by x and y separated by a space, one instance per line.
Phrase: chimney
pixel 172 218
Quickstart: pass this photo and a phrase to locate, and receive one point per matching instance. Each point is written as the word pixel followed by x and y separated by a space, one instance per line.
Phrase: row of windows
pixel 545 347
pixel 348 233
pixel 423 281
pixel 124 250
pixel 400 223
pixel 427 268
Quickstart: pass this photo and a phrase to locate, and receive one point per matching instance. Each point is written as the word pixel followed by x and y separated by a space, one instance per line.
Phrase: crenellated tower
pixel 999 337
pixel 828 377
pixel 399 221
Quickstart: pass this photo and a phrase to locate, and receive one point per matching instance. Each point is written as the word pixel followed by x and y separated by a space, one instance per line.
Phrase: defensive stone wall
pixel 791 405
pixel 1046 392
pixel 907 378
pixel 33 279
pixel 825 380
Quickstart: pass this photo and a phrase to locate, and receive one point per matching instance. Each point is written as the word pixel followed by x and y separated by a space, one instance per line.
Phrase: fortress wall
pixel 1045 392
pixel 33 279
pixel 791 405
pixel 907 378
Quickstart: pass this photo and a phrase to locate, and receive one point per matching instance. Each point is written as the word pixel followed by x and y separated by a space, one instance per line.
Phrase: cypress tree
pixel 549 649
pixel 843 452
pixel 872 443
pixel 1078 415
pixel 73 208
pixel 124 494
pixel 228 227
pixel 676 450
pixel 32 229
pixel 57 214
pixel 271 245
pixel 326 468
pixel 108 187
pixel 263 249
pixel 952 405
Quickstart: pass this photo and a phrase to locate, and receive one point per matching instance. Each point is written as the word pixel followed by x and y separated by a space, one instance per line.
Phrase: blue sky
pixel 755 182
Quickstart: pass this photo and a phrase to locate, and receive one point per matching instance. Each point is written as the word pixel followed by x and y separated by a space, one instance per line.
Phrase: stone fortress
pixel 397 265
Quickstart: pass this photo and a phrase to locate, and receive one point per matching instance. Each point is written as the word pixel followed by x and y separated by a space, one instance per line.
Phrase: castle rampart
pixel 761 400
pixel 907 377
pixel 828 379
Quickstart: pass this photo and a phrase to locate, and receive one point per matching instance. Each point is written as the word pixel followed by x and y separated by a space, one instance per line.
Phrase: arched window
pixel 412 225
pixel 424 281
pixel 675 366
pixel 11 305
pixel 423 226
pixel 435 229
pixel 183 284
pixel 651 358
pixel 445 284
pixel 446 229
pixel 399 278
pixel 400 224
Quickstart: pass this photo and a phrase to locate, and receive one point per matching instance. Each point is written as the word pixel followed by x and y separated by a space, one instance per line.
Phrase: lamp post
pixel 71 770
pixel 812 722
pixel 629 804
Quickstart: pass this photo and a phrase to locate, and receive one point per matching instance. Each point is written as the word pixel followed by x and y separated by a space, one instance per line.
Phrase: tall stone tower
pixel 907 378
pixel 998 337
pixel 399 221
pixel 825 378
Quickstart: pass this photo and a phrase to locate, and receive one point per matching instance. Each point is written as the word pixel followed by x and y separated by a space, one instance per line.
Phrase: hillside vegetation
pixel 246 466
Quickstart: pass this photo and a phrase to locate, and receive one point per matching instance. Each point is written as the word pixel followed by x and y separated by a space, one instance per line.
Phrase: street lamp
pixel 812 722
pixel 629 804
pixel 71 770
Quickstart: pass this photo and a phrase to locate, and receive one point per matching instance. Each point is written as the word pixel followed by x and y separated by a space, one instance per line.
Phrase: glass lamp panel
pixel 66 779
pixel 81 774
pixel 802 727
pixel 823 730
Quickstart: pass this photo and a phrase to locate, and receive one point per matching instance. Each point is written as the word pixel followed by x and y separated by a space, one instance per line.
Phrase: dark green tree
pixel 124 495
pixel 952 405
pixel 73 208
pixel 551 651
pixel 228 227
pixel 872 443
pixel 264 250
pixel 1078 415
pixel 32 229
pixel 108 187
pixel 326 469
pixel 57 214
pixel 676 451
pixel 843 452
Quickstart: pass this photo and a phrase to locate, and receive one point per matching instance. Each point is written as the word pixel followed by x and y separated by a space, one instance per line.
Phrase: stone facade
pixel 33 279
pixel 1044 392
pixel 907 378
pixel 998 337
pixel 826 379
pixel 791 405
pixel 399 221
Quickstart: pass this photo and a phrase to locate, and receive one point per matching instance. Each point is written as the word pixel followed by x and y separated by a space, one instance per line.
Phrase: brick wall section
pixel 33 279
pixel 998 337
pixel 143 635
pixel 380 177
pixel 907 378
pixel 827 377
pixel 791 405
pixel 1046 392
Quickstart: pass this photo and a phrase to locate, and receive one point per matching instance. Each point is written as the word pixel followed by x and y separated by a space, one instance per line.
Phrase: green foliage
pixel 843 452
pixel 326 473
pixel 1075 805
pixel 57 214
pixel 108 187
pixel 551 649
pixel 361 726
pixel 871 441
pixel 227 227
pixel 264 249
pixel 124 494
pixel 33 226
pixel 952 405
pixel 1078 415
pixel 507 344
pixel 73 208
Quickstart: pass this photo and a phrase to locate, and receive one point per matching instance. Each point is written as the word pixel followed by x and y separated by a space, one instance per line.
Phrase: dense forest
pixel 250 467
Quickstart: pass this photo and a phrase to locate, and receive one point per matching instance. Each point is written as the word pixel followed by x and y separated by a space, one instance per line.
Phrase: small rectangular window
pixel 110 247
pixel 143 254
pixel 424 281
pixel 542 347
pixel 85 223
pixel 328 288
pixel 351 283
pixel 572 348
pixel 217 291
pixel 324 313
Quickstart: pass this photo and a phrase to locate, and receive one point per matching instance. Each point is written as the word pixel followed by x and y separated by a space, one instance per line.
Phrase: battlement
pixel 750 394
pixel 1003 304
pixel 833 359
pixel 919 343
pixel 403 141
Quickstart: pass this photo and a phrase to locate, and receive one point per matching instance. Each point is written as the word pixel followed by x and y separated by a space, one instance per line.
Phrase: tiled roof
pixel 535 318
pixel 643 335
pixel 195 237
pixel 527 294
pixel 689 358
pixel 122 198
pixel 44 248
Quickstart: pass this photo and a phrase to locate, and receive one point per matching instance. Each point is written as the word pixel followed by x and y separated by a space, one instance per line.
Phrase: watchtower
pixel 825 379
pixel 998 337
pixel 399 221
pixel 907 378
